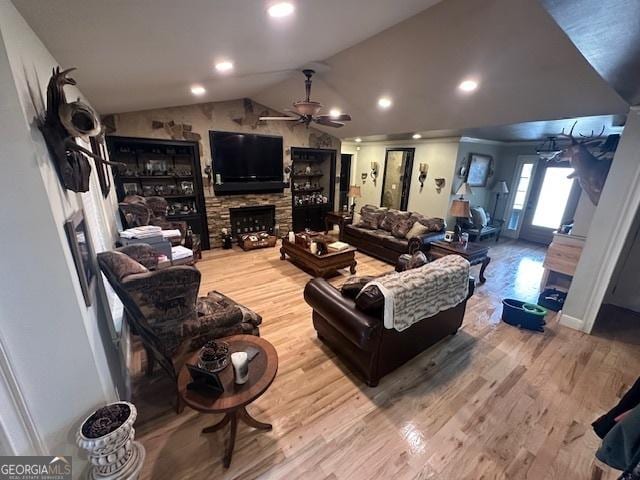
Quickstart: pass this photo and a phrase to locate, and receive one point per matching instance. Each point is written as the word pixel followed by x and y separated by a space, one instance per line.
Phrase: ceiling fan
pixel 306 111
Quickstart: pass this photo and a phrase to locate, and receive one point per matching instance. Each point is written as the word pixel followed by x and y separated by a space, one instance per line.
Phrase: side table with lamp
pixel 354 192
pixel 460 209
pixel 474 254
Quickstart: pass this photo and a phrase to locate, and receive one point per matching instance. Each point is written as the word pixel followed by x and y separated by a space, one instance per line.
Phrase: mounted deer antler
pixel 590 170
pixel 60 124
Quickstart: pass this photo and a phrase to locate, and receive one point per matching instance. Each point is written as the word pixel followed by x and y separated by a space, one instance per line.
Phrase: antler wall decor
pixel 590 170
pixel 63 122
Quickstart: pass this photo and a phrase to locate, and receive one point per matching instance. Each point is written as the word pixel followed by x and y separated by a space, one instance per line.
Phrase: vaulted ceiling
pixel 146 54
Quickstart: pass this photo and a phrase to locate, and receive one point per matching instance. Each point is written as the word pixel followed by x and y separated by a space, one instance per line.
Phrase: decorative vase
pixel 240 363
pixel 107 436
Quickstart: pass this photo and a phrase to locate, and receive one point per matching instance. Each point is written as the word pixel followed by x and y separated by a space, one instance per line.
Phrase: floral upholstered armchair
pixel 163 307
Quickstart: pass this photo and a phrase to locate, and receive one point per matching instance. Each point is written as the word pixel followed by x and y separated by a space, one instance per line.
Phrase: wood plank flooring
pixel 491 402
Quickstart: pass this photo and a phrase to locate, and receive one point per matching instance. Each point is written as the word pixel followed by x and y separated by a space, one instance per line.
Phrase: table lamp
pixel 498 189
pixel 459 209
pixel 354 192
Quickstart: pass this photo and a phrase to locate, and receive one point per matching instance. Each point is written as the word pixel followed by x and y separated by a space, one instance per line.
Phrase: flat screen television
pixel 246 157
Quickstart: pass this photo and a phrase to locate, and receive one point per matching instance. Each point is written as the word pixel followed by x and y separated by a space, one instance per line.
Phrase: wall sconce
pixel 424 168
pixel 374 171
pixel 439 184
pixel 363 176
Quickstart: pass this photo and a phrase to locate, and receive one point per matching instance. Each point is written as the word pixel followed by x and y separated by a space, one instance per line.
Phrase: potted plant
pixel 107 436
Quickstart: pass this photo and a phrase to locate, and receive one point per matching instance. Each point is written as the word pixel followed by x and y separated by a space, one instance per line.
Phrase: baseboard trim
pixel 572 322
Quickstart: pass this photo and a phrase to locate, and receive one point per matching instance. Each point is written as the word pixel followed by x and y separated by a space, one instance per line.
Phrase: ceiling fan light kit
pixel 307 111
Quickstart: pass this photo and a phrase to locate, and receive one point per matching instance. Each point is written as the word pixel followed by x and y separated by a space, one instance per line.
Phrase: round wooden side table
pixel 233 402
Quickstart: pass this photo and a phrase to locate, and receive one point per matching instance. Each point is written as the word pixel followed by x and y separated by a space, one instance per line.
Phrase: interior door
pixel 397 178
pixel 345 176
pixel 552 202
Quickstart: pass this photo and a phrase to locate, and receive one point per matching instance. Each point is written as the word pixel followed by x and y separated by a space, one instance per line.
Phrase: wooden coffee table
pixel 475 254
pixel 233 402
pixel 318 265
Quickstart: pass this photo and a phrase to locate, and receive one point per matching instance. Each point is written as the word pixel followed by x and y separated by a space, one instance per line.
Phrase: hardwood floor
pixel 491 402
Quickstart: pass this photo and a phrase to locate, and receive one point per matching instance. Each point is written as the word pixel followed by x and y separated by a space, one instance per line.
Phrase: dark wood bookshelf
pixel 176 162
pixel 308 187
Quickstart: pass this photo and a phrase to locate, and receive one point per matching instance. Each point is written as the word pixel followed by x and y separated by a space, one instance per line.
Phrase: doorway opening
pixel 397 178
pixel 345 181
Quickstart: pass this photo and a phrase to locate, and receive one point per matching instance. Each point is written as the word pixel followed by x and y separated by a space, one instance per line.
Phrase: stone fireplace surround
pixel 218 215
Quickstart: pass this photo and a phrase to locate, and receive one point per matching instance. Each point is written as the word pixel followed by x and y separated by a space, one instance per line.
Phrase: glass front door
pixel 552 202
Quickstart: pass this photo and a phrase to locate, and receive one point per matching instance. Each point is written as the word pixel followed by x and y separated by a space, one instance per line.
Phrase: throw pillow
pixel 351 288
pixel 369 220
pixel 479 217
pixel 392 217
pixel 433 224
pixel 379 212
pixel 401 228
pixel 370 300
pixel 416 230
pixel 418 260
pixel 408 262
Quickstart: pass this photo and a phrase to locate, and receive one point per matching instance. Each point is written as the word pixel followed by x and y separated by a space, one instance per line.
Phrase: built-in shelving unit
pixel 163 168
pixel 312 188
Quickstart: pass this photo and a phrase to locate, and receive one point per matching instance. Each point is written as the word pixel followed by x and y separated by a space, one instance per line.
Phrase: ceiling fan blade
pixel 340 118
pixel 328 123
pixel 284 119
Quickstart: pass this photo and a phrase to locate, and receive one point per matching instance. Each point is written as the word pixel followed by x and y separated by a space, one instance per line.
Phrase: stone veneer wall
pixel 193 122
pixel 218 211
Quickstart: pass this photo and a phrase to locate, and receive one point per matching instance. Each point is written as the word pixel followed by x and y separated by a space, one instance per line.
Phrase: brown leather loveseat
pixel 360 338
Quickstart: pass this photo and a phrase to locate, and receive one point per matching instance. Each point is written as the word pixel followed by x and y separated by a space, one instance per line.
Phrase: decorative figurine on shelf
pixel 208 171
pixel 226 239
pixel 188 238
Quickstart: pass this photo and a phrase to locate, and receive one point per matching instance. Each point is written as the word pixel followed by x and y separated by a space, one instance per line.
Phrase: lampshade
pixel 501 187
pixel 354 191
pixel 460 208
pixel 464 189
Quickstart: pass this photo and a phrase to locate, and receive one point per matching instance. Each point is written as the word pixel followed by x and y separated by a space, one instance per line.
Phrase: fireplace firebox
pixel 259 218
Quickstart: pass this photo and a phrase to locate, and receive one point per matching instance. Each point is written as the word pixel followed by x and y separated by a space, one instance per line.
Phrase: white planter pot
pixel 107 436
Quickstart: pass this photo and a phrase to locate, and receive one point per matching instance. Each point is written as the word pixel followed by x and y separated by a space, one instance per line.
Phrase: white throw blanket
pixel 423 292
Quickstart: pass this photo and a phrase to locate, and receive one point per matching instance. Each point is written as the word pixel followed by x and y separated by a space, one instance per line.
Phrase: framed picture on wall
pixel 82 252
pixel 478 169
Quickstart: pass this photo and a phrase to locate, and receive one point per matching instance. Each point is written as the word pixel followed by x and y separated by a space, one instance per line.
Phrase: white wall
pixel 439 154
pixel 481 196
pixel 613 217
pixel 60 351
pixel 624 290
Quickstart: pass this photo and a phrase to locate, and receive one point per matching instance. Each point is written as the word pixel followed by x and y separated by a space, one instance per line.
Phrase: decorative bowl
pixel 214 356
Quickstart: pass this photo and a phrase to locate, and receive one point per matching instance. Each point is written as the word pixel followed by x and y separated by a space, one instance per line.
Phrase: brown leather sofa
pixel 381 244
pixel 361 340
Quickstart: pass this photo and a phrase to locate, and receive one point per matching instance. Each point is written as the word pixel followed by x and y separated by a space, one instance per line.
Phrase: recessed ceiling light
pixel 225 66
pixel 384 102
pixel 358 139
pixel 416 136
pixel 281 9
pixel 468 85
pixel 198 90
pixel 334 112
